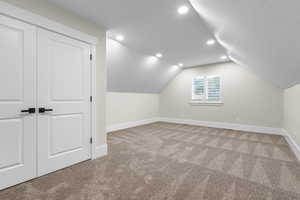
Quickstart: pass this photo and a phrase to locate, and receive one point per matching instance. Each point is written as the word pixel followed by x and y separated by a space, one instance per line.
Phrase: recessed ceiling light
pixel 211 42
pixel 224 57
pixel 180 64
pixel 120 38
pixel 159 55
pixel 182 10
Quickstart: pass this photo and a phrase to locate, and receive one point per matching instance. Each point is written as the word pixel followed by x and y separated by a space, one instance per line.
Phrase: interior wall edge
pixel 291 109
pixel 101 151
pixel 292 143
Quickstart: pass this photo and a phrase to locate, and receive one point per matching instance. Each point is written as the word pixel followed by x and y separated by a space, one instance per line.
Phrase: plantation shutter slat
pixel 198 88
pixel 213 88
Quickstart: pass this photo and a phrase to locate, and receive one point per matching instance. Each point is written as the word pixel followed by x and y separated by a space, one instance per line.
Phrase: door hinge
pixel 91 56
pixel 91 99
pixel 91 140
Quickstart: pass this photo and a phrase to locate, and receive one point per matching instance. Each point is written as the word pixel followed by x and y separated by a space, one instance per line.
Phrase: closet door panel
pixel 63 89
pixel 17 93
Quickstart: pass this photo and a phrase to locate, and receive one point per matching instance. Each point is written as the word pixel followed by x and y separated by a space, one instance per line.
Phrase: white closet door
pixel 17 92
pixel 64 88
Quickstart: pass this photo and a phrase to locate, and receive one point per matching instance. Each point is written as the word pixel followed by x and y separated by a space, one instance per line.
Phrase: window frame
pixel 205 101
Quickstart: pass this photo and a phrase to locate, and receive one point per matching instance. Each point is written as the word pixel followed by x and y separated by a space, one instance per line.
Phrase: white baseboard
pixel 294 146
pixel 100 151
pixel 239 127
pixel 118 127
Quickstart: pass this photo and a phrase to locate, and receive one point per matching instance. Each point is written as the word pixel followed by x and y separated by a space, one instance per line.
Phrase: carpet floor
pixel 164 161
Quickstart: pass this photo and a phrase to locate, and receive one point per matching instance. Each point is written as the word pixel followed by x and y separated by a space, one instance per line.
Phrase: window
pixel 206 89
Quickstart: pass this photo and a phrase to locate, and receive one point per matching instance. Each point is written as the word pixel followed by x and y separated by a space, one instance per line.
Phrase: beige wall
pixel 247 99
pixel 52 12
pixel 131 107
pixel 292 112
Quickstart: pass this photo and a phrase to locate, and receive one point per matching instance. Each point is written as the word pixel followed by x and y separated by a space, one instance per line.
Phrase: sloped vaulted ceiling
pixel 149 27
pixel 260 34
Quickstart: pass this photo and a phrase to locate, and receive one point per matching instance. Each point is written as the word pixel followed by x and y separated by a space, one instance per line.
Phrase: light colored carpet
pixel 164 161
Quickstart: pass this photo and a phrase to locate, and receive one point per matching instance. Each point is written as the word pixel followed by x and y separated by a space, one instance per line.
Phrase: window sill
pixel 205 103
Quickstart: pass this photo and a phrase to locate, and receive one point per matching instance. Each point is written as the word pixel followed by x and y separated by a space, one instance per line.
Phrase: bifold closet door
pixel 63 98
pixel 17 95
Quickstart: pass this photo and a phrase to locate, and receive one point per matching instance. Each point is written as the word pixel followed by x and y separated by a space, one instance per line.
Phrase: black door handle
pixel 43 110
pixel 30 111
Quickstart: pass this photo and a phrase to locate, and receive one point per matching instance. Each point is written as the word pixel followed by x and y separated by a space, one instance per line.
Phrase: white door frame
pixel 93 78
pixel 39 21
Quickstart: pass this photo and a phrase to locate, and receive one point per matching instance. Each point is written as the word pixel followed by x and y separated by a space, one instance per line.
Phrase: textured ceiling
pixel 149 27
pixel 260 34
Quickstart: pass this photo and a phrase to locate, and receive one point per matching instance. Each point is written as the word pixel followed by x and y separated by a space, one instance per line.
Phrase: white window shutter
pixel 198 88
pixel 213 88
